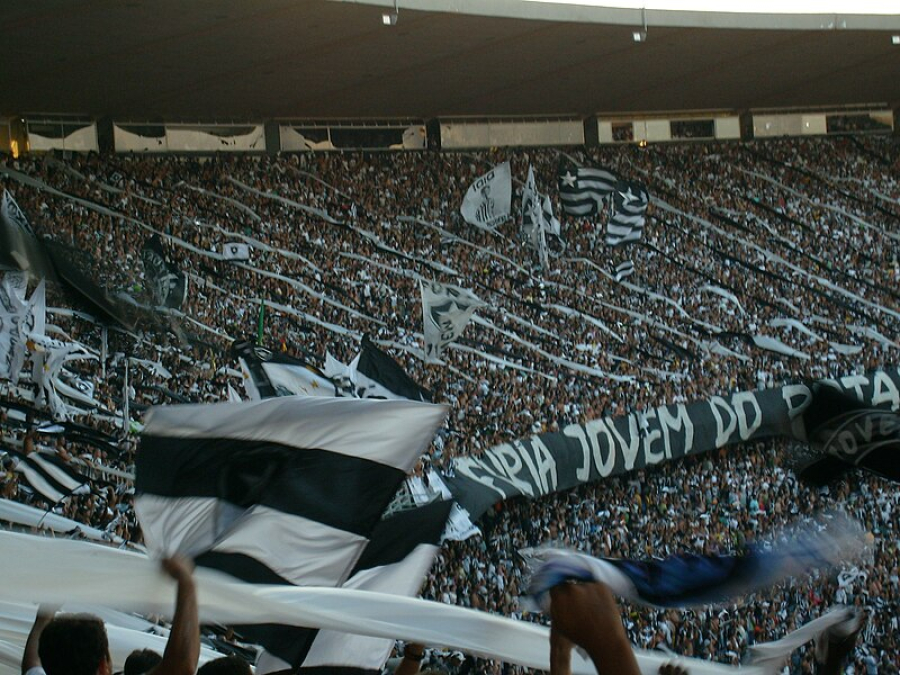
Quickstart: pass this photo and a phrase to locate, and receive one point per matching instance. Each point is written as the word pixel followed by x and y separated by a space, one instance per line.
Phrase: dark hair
pixel 227 665
pixel 73 644
pixel 141 661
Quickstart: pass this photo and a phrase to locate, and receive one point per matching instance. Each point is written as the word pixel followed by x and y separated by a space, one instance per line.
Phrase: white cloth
pixel 44 570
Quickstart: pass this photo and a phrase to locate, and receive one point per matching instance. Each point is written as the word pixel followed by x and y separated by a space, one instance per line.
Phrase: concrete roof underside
pixel 320 59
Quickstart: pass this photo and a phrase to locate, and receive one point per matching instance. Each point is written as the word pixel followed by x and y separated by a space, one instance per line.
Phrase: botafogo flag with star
pixel 489 199
pixel 446 309
pixel 286 490
pixel 268 373
pixel 582 189
pixel 630 201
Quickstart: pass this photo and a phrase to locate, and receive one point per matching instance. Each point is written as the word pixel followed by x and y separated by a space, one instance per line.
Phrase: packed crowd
pixel 799 229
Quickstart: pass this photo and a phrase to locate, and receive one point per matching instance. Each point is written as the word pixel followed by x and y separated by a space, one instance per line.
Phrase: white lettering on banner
pixel 738 400
pixel 546 466
pixel 629 448
pixel 583 472
pixel 604 466
pixel 509 464
pixel 680 421
pixel 464 467
pixel 885 391
pixel 797 398
pixel 529 459
pixel 723 433
pixel 650 435
pixel 855 382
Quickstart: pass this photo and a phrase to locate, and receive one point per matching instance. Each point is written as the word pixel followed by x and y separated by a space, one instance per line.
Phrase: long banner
pixel 584 453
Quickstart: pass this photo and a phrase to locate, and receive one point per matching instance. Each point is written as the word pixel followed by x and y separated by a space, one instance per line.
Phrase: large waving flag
pixel 285 490
pixel 582 189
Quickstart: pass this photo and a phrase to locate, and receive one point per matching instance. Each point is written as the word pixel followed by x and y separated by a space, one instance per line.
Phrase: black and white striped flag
pixel 268 373
pixel 286 490
pixel 582 189
pixel 49 476
pixel 624 270
pixel 630 202
pixel 396 561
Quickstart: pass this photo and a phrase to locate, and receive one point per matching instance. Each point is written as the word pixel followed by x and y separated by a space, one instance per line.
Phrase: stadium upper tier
pixel 323 59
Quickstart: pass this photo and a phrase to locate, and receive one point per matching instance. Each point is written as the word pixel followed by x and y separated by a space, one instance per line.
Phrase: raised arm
pixel 183 648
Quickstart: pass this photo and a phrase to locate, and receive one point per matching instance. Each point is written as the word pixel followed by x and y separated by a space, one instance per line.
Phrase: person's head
pixel 75 644
pixel 141 661
pixel 227 665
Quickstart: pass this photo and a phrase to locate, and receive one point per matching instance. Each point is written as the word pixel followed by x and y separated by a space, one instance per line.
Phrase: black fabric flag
pixel 167 285
pixel 19 247
pixel 630 202
pixel 845 433
pixel 380 376
pixel 582 189
pixel 77 271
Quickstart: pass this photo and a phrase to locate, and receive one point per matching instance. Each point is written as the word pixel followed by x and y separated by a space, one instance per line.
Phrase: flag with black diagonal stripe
pixel 582 189
pixel 286 490
pixel 396 561
pixel 49 476
pixel 630 202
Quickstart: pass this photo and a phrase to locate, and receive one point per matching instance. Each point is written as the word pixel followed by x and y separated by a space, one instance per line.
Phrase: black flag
pixel 846 433
pixel 167 284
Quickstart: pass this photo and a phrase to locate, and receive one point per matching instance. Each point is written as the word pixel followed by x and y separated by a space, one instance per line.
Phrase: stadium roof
pixel 317 59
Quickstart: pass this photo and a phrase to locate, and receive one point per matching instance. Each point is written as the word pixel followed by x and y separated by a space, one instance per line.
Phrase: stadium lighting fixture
pixel 391 19
pixel 895 39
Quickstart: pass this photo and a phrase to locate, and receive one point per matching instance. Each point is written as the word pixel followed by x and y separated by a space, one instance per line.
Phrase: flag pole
pixel 261 322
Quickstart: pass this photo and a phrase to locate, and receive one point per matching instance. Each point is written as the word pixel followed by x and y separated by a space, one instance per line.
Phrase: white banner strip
pixel 43 570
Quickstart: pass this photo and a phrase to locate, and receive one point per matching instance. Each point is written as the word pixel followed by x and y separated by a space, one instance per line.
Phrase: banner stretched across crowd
pixel 584 453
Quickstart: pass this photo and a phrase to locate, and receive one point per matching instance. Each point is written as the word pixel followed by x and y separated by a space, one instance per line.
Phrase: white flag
pixel 446 310
pixel 489 199
pixel 533 226
pixel 549 222
pixel 236 251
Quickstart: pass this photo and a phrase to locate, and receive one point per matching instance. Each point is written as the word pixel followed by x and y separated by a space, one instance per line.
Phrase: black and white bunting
pixel 49 476
pixel 286 490
pixel 583 189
